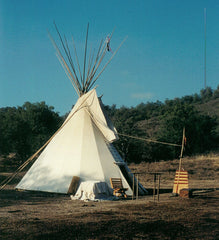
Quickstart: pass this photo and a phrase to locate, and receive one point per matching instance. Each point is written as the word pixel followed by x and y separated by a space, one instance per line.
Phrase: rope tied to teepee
pixel 149 140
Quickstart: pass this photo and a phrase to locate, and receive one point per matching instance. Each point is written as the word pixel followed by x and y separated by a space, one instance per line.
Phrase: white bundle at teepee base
pixel 80 158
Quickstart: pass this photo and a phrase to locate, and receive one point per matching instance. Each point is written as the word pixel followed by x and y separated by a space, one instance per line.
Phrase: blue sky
pixel 162 58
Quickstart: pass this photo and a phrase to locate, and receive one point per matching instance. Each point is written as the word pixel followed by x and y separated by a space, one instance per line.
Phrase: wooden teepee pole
pixel 76 56
pixel 67 52
pixel 77 85
pixel 88 81
pixel 101 54
pixel 106 64
pixel 85 57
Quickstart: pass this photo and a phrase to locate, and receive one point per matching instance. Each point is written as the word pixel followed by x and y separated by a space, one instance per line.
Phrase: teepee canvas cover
pixel 82 148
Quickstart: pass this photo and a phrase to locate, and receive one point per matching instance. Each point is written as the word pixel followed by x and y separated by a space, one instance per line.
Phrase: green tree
pixel 200 130
pixel 24 129
pixel 124 120
pixel 216 93
pixel 206 94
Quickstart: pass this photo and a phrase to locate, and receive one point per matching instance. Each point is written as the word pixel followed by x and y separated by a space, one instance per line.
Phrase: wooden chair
pixel 118 189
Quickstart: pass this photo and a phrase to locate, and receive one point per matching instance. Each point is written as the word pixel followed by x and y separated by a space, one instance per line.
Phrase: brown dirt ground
pixel 35 215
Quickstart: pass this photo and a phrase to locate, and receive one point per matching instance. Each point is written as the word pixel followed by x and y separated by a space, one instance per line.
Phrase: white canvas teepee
pixel 82 147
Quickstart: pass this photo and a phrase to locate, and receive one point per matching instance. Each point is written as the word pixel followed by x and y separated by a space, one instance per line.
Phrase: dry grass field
pixel 35 215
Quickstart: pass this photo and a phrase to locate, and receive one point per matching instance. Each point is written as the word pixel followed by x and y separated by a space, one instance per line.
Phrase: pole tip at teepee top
pixel 83 81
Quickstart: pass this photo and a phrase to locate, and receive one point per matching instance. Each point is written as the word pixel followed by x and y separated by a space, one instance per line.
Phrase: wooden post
pixel 158 189
pixel 133 187
pixel 137 187
pixel 154 190
pixel 181 156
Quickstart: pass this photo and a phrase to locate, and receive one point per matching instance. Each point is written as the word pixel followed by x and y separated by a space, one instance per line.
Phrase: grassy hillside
pixel 203 171
pixel 210 108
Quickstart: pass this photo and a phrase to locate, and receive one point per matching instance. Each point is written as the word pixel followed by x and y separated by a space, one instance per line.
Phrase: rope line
pixel 149 140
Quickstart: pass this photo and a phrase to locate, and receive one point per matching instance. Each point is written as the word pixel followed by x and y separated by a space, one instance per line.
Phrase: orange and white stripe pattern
pixel 181 181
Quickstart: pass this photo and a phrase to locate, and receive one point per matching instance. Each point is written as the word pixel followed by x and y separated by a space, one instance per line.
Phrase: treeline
pixel 165 122
pixel 23 130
